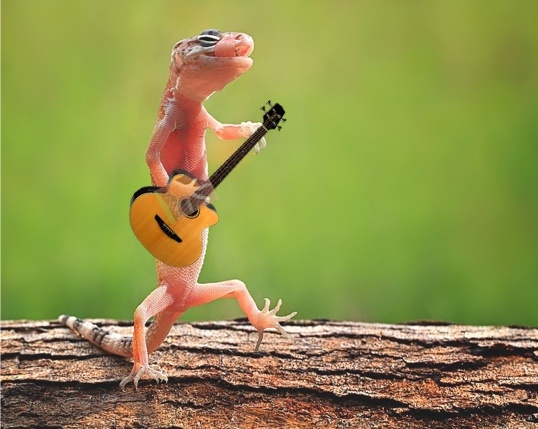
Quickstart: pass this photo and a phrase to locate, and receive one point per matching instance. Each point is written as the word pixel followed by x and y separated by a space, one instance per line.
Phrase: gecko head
pixel 208 62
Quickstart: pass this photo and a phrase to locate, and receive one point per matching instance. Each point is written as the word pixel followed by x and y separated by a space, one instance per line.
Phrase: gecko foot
pixel 140 370
pixel 260 145
pixel 247 129
pixel 267 319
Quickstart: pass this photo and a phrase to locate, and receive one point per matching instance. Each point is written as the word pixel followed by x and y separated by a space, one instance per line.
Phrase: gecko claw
pixel 262 144
pixel 137 373
pixel 268 319
pixel 247 129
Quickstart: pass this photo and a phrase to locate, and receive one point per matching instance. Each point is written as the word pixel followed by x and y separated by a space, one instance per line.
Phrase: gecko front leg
pixel 247 129
pixel 236 131
pixel 161 133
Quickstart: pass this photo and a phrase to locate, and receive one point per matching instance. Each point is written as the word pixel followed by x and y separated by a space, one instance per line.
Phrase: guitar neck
pixel 220 174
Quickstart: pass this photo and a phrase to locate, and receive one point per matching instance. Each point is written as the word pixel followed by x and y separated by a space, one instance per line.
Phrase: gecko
pixel 200 66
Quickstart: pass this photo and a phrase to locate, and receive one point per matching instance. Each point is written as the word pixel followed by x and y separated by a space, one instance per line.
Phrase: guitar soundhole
pixel 188 208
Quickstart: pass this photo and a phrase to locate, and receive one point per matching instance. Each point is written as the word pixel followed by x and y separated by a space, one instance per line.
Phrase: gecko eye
pixel 209 38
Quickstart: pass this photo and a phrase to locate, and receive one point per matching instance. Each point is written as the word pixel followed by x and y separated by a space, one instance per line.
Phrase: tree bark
pixel 334 375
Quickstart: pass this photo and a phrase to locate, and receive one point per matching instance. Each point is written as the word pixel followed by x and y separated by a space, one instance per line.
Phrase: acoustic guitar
pixel 169 220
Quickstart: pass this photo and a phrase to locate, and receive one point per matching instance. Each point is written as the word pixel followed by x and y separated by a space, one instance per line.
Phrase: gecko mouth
pixel 236 57
pixel 239 52
pixel 242 62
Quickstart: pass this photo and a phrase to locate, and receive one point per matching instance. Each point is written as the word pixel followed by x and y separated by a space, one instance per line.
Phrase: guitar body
pixel 171 234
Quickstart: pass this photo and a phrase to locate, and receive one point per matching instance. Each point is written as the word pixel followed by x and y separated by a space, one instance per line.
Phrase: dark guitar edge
pixel 144 190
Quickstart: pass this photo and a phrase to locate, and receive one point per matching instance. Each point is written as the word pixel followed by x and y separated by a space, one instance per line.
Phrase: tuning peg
pixel 268 104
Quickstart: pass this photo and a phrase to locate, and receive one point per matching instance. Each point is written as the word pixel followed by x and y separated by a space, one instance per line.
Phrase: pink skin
pixel 178 142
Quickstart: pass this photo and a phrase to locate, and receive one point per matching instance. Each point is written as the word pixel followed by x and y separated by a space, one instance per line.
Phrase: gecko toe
pixel 137 373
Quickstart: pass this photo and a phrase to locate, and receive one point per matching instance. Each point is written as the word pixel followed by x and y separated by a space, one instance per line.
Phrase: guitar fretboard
pixel 222 172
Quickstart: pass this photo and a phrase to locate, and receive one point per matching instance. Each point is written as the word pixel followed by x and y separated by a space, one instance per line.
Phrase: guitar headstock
pixel 274 113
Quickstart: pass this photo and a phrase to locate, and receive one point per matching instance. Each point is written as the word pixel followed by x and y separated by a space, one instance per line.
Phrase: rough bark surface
pixel 334 375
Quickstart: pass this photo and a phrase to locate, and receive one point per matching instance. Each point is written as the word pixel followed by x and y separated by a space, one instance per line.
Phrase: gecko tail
pixel 110 343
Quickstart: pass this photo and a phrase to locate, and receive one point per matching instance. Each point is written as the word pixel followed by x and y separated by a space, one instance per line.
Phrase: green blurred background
pixel 403 185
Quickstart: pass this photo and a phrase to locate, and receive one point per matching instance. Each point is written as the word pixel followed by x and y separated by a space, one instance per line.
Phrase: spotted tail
pixel 111 343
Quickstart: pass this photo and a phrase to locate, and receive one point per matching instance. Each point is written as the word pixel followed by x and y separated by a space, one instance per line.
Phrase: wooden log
pixel 334 375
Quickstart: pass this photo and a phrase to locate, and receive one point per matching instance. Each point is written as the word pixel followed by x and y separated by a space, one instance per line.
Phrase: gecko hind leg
pixel 261 319
pixel 155 304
